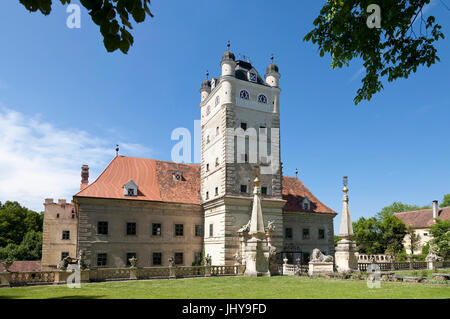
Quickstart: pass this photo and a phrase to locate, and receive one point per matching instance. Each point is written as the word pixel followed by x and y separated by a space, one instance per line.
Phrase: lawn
pixel 280 287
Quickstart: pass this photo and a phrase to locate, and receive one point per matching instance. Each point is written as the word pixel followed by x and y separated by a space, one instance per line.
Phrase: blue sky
pixel 65 101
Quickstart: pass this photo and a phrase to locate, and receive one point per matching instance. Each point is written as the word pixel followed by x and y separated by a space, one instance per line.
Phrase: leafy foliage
pixel 392 51
pixel 413 239
pixel 20 232
pixel 381 234
pixel 441 237
pixel 106 14
pixel 445 201
pixel 398 207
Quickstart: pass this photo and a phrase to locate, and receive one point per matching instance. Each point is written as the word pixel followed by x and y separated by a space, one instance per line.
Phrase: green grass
pixel 280 287
pixel 422 273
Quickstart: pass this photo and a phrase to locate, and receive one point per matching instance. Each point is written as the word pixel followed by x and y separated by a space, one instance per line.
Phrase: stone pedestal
pixel 433 265
pixel 133 274
pixel 320 268
pixel 345 256
pixel 257 258
pixel 5 278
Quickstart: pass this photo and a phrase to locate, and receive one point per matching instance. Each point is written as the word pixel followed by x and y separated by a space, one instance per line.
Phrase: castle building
pixel 156 210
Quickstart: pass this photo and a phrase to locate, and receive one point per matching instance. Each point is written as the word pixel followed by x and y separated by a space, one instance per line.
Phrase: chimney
pixel 435 209
pixel 84 177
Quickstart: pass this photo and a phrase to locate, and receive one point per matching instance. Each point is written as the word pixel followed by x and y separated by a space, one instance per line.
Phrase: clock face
pixel 253 77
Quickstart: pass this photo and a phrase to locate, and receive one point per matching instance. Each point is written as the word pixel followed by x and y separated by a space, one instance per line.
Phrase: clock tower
pixel 240 120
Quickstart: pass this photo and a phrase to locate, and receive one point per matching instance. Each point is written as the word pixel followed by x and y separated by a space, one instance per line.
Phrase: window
pixel 253 77
pixel 178 258
pixel 157 259
pixel 217 161
pixel 156 229
pixel 244 95
pixel 244 126
pixel 66 234
pixel 217 131
pixel 243 188
pixel 101 259
pixel 198 231
pixel 263 130
pixel 207 167
pixel 178 176
pixel 321 233
pixel 217 191
pixel 305 206
pixel 207 195
pixel 217 100
pixel 264 190
pixel 179 230
pixel 207 139
pixel 288 233
pixel 130 188
pixel 73 216
pixel 64 254
pixel 262 98
pixel 246 157
pixel 131 228
pixel 130 192
pixel 305 233
pixel 198 258
pixel 57 215
pixel 211 230
pixel 102 228
pixel 129 256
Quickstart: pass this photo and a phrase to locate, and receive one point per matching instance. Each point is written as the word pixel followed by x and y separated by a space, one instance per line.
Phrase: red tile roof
pixel 156 183
pixel 23 266
pixel 294 191
pixel 422 218
pixel 154 179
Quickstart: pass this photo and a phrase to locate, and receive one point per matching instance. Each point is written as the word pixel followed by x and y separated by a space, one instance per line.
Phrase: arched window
pixel 244 95
pixel 262 99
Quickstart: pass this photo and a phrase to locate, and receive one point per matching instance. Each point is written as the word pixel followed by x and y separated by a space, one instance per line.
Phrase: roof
pixel 294 191
pixel 242 69
pixel 422 218
pixel 23 266
pixel 155 180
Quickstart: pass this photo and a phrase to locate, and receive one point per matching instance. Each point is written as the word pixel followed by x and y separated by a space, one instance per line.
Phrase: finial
pixel 345 182
pixel 228 45
pixel 117 149
pixel 207 74
pixel 271 58
pixel 256 181
pixel 296 173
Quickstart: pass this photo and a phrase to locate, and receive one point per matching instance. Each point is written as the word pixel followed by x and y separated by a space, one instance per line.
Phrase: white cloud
pixel 38 160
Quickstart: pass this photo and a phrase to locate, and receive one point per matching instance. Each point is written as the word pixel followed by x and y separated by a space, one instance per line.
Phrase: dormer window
pixel 306 204
pixel 253 77
pixel 178 176
pixel 244 95
pixel 130 188
pixel 262 99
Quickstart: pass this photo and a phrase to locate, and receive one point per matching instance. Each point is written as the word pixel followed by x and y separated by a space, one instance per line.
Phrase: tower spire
pixel 117 149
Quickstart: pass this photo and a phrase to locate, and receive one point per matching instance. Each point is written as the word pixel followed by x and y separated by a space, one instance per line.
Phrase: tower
pixel 240 140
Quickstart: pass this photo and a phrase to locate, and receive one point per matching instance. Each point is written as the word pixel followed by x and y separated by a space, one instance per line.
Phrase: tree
pixel 16 221
pixel 106 14
pixel 445 201
pixel 440 231
pixel 413 239
pixel 344 30
pixel 367 236
pixel 398 207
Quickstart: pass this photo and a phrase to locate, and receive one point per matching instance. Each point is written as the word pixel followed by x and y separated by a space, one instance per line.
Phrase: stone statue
pixel 171 262
pixel 208 260
pixel 62 265
pixel 245 228
pixel 270 227
pixel 432 256
pixel 238 258
pixel 82 263
pixel 317 256
pixel 133 262
pixel 6 264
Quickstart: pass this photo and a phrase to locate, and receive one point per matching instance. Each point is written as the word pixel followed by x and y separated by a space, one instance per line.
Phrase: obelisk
pixel 345 252
pixel 257 251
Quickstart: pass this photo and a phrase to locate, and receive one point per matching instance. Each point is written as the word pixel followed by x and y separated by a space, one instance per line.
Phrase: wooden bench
pixel 409 278
pixel 441 276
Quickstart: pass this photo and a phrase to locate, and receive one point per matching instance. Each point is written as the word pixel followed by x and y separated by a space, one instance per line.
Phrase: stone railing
pixel 8 279
pixel 291 270
pixel 402 265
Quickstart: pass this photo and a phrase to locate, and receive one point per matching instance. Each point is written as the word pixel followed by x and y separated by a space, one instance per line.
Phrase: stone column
pixel 346 250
